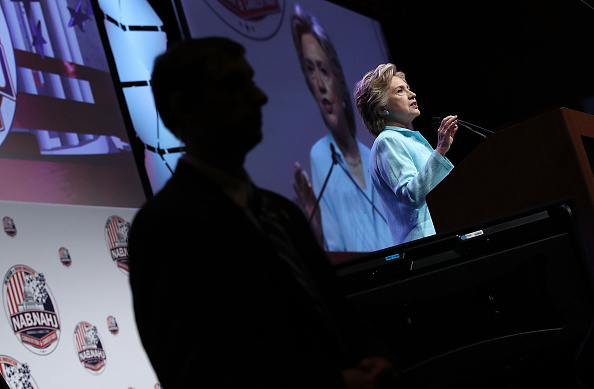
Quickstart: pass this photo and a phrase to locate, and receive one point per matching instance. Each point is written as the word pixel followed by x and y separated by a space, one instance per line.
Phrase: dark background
pixel 492 63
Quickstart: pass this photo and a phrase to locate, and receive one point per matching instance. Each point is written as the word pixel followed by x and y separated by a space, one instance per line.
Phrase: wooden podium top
pixel 532 163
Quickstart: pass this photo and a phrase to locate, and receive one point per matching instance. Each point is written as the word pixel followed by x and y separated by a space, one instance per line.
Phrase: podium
pixel 502 292
pixel 538 161
pixel 489 311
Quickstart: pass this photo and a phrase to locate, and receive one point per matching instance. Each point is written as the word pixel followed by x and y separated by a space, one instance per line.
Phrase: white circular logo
pixel 116 237
pixel 254 19
pixel 31 309
pixel 89 348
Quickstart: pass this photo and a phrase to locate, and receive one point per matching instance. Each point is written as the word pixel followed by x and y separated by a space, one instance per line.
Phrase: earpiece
pixel 387 112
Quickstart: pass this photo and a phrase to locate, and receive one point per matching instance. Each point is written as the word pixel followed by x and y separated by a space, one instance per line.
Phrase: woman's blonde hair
pixel 303 23
pixel 371 96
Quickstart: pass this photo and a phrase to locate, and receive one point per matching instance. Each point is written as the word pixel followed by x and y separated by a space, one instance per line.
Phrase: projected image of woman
pixel 351 216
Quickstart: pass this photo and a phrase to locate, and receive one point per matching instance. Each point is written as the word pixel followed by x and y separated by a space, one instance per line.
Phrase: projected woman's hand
pixel 306 199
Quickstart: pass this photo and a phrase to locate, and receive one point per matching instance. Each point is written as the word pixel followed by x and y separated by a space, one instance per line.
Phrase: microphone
pixel 334 154
pixel 436 122
pixel 336 160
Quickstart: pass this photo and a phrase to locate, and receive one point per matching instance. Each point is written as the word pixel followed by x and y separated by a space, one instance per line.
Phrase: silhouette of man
pixel 230 287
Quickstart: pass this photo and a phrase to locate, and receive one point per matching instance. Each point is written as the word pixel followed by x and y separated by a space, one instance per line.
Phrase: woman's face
pixel 321 79
pixel 402 104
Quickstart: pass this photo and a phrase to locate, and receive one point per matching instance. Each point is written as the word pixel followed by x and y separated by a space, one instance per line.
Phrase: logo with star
pixel 78 15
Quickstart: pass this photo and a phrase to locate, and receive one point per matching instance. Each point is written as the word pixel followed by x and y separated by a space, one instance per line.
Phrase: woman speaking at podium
pixel 404 167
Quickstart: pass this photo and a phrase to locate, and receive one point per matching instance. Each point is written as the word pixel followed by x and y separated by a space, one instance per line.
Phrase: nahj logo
pixel 116 237
pixel 31 310
pixel 89 348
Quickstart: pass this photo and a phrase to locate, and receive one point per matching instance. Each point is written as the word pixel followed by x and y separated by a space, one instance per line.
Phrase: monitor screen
pixel 63 138
pixel 307 56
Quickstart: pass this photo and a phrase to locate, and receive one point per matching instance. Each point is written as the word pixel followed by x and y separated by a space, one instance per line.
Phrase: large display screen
pixel 63 138
pixel 69 189
pixel 308 56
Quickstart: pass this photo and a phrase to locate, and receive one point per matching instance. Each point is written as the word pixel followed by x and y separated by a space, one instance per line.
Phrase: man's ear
pixel 187 110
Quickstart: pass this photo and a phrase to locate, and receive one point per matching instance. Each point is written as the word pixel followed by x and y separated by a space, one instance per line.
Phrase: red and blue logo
pixel 31 309
pixel 116 237
pixel 89 348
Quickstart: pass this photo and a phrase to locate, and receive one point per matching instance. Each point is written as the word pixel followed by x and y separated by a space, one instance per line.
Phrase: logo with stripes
pixel 116 237
pixel 31 309
pixel 89 348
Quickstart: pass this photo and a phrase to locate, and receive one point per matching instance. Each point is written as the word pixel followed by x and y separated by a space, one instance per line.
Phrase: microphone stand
pixel 436 121
pixel 334 161
pixel 471 129
pixel 475 126
pixel 468 125
pixel 335 157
